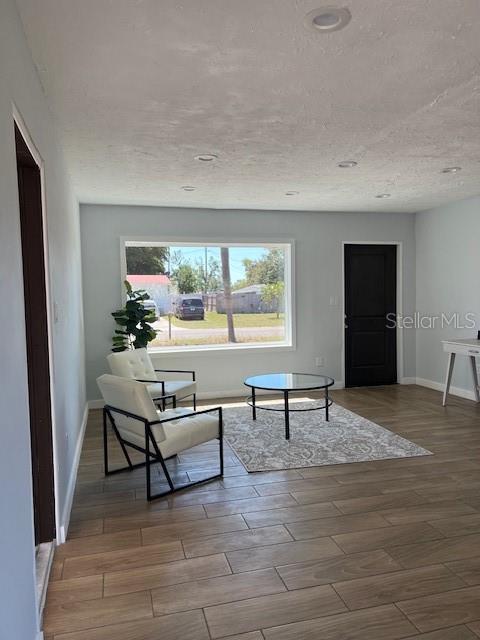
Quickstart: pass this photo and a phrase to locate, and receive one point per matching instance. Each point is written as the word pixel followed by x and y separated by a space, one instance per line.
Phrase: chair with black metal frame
pixel 137 365
pixel 159 435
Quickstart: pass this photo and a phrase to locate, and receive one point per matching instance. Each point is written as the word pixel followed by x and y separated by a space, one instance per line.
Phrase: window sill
pixel 228 348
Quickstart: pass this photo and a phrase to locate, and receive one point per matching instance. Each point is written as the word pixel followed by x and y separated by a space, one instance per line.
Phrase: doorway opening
pixel 37 348
pixel 370 304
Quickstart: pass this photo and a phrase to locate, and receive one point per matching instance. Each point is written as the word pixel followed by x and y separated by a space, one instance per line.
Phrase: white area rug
pixel 347 437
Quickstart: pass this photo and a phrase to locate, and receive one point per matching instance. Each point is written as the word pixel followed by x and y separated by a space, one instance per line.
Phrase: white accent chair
pixel 137 364
pixel 138 424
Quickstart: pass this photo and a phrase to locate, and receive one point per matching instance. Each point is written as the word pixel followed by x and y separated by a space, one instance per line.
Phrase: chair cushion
pixel 137 364
pixel 179 388
pixel 188 433
pixel 132 396
pixel 133 363
pixel 179 434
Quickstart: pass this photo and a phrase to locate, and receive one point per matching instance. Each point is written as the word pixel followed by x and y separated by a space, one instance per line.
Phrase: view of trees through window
pixel 212 295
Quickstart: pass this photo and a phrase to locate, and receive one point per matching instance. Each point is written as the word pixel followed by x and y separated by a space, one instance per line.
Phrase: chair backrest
pixel 134 363
pixel 132 396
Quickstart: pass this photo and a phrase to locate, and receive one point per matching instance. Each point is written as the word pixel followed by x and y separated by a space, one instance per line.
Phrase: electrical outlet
pixel 333 301
pixel 319 361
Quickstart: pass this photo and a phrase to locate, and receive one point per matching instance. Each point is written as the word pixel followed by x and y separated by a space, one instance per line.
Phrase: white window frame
pixel 288 245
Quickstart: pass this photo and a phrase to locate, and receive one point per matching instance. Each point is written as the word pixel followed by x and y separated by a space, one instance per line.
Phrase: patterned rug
pixel 347 437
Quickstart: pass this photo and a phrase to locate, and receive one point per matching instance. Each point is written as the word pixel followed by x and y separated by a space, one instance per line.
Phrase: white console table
pixel 465 347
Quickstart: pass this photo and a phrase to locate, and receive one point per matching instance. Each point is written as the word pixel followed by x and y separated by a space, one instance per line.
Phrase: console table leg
pixel 287 416
pixel 451 362
pixel 473 363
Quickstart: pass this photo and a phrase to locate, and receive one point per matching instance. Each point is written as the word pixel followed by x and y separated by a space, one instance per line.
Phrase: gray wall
pixel 19 84
pixel 448 275
pixel 318 248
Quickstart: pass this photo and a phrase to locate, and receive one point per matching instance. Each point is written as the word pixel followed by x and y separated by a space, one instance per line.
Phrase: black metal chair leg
pixel 147 463
pixel 220 433
pixel 105 443
pixel 120 440
pixel 194 401
pixel 161 459
pixel 151 457
pixel 287 416
pixel 130 466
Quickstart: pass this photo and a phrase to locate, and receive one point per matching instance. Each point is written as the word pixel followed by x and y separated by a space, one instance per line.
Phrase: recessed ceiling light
pixel 292 193
pixel 347 164
pixel 187 188
pixel 206 157
pixel 328 19
pixel 383 195
pixel 451 169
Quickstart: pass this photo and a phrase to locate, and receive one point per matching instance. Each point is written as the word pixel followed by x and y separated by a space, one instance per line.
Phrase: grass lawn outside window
pixel 215 320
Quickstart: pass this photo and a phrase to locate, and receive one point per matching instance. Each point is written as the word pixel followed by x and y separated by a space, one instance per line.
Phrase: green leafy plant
pixel 273 294
pixel 134 319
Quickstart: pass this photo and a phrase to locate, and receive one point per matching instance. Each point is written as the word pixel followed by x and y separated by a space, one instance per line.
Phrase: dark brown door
pixel 31 224
pixel 370 298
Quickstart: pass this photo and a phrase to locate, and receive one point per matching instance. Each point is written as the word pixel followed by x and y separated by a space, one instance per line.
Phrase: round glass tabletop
pixel 289 381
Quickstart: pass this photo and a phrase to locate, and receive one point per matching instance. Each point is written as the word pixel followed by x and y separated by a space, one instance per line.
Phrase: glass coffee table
pixel 286 383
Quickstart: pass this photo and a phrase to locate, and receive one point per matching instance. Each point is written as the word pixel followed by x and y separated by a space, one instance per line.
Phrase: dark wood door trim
pixel 37 339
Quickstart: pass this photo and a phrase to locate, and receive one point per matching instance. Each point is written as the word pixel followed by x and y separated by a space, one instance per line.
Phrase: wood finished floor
pixel 369 551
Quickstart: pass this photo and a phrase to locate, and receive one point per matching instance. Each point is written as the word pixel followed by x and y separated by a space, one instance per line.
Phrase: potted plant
pixel 134 319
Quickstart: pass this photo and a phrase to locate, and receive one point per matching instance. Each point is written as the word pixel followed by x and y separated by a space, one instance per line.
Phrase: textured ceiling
pixel 140 87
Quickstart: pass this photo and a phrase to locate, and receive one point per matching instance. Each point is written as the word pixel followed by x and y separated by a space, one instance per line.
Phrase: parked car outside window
pixel 151 306
pixel 190 309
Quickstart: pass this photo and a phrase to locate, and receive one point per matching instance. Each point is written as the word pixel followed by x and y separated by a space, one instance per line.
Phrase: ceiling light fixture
pixel 292 193
pixel 206 157
pixel 451 169
pixel 383 195
pixel 328 19
pixel 187 188
pixel 347 164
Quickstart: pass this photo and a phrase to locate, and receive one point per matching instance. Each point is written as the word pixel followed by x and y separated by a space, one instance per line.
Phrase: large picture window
pixel 214 296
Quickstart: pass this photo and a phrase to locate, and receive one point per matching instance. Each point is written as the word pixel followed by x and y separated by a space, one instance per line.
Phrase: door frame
pixel 399 301
pixel 22 127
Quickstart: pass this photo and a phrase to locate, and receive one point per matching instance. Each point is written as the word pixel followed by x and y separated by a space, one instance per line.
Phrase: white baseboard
pixel 240 392
pixel 65 518
pixel 203 395
pixel 440 386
